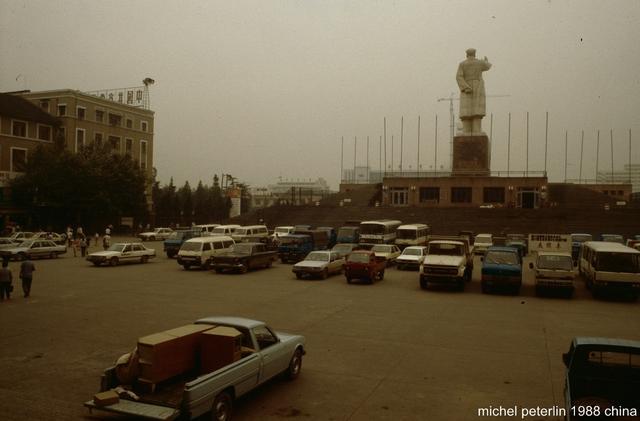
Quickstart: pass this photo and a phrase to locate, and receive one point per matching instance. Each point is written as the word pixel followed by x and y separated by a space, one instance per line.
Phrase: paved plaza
pixel 374 352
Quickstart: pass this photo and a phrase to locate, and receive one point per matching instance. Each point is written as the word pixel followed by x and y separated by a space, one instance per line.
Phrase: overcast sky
pixel 262 89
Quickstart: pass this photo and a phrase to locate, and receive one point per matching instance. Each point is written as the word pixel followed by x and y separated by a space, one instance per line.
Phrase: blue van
pixel 501 268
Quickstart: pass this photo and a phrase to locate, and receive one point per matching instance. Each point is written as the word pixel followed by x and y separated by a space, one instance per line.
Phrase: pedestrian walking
pixel 26 274
pixel 106 241
pixel 69 237
pixel 83 246
pixel 6 279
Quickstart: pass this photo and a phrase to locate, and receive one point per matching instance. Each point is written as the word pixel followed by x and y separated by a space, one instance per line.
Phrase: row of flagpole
pixel 383 147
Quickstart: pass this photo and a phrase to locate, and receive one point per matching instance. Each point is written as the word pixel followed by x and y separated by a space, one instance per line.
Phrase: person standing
pixel 83 246
pixel 26 274
pixel 106 241
pixel 6 278
pixel 97 237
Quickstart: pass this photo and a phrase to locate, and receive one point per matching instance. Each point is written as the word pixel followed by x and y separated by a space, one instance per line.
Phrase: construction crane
pixel 452 122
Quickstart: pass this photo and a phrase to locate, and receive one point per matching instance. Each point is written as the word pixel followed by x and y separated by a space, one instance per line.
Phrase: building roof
pixel 18 107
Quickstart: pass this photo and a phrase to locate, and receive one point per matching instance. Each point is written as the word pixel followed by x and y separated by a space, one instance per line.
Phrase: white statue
pixel 472 96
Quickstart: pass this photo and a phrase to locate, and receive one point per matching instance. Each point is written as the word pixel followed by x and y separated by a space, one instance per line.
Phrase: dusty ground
pixel 383 351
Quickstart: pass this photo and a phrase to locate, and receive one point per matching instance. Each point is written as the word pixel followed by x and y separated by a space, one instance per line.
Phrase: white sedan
pixel 33 249
pixel 411 257
pixel 319 263
pixel 156 234
pixel 122 252
pixel 388 251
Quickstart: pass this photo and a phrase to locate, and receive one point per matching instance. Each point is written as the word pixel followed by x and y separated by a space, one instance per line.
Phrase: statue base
pixel 471 155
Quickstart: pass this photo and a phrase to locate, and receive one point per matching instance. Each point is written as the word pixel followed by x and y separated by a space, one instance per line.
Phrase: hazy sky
pixel 261 89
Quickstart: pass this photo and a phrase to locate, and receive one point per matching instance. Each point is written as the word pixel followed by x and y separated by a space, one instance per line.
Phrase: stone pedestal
pixel 471 155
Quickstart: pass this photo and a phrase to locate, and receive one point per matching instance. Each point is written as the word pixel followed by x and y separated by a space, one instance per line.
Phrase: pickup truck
pixel 364 264
pixel 243 257
pixel 177 238
pixel 553 271
pixel 449 261
pixel 294 247
pixel 267 353
pixel 501 267
pixel 601 379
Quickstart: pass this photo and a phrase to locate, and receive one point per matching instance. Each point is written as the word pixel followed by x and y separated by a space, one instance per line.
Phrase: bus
pixel 607 265
pixel 379 232
pixel 412 235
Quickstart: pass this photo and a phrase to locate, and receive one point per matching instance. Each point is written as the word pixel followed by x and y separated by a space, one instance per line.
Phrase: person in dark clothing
pixel 6 278
pixel 26 274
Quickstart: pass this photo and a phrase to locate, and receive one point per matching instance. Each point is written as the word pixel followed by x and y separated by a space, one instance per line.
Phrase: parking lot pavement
pixel 383 351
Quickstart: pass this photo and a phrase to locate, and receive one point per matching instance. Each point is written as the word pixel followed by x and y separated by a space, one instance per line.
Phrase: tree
pixel 185 204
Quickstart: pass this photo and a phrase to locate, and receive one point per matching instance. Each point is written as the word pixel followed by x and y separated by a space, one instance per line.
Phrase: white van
pixel 199 251
pixel 207 229
pixel 224 230
pixel 251 233
pixel 412 235
pixel 606 265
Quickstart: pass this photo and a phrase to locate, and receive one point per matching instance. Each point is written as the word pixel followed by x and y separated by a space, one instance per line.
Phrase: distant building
pixel 117 118
pixel 289 192
pixel 23 127
pixel 630 174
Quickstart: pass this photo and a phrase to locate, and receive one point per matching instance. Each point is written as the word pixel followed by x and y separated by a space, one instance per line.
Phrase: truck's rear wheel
pixel 295 365
pixel 222 407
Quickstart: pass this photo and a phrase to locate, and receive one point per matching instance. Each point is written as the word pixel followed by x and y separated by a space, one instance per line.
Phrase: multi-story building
pixel 23 127
pixel 295 192
pixel 630 175
pixel 117 118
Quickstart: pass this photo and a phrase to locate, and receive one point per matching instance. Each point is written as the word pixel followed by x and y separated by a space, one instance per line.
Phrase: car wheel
pixel 295 365
pixel 298 275
pixel 269 264
pixel 325 274
pixel 96 263
pixel 113 261
pixel 218 270
pixel 244 268
pixel 485 288
pixel 152 238
pixel 371 279
pixel 144 259
pixel 222 407
pixel 21 256
pixel 348 279
pixel 423 283
pixel 53 255
pixel 206 265
pixel 381 275
pixel 171 255
pixel 460 285
pixel 186 266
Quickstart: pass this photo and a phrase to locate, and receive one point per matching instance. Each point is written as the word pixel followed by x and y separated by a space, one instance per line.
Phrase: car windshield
pixel 117 247
pixel 191 246
pixel 443 249
pixel 318 257
pixel 406 234
pixel 618 262
pixel 555 262
pixel 358 258
pixel 242 248
pixel 412 252
pixel 381 249
pixel 501 258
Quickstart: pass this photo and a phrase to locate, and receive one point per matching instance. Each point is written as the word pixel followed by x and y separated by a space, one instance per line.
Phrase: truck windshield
pixel 555 262
pixel 501 258
pixel 406 234
pixel 618 262
pixel 358 258
pixel 445 249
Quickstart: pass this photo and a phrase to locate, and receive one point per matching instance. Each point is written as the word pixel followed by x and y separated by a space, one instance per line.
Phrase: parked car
pixel 20 236
pixel 501 268
pixel 364 264
pixel 481 243
pixel 411 258
pixel 294 247
pixel 264 354
pixel 156 234
pixel 251 233
pixel 7 243
pixel 53 236
pixel 122 252
pixel 243 257
pixel 200 251
pixel 345 249
pixel 449 262
pixel 319 264
pixel 389 251
pixel 172 244
pixel 33 249
pixel 206 229
pixel 554 272
pixel 601 377
pixel 227 230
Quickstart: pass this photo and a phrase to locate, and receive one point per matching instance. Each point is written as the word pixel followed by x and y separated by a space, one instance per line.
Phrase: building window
pixel 460 194
pixel 79 139
pixel 144 126
pixel 115 120
pixel 429 194
pixel 62 133
pixel 114 143
pixel 493 195
pixel 97 138
pixel 129 123
pixel 62 110
pixel 399 195
pixel 44 132
pixel 44 104
pixel 80 113
pixel 18 159
pixel 19 128
pixel 128 146
pixel 99 116
pixel 143 154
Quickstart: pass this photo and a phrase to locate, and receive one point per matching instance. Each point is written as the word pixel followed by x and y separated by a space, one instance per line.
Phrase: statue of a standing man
pixel 472 96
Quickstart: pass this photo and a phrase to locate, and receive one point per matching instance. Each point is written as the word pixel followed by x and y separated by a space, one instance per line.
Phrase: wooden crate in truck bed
pixel 220 346
pixel 170 353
